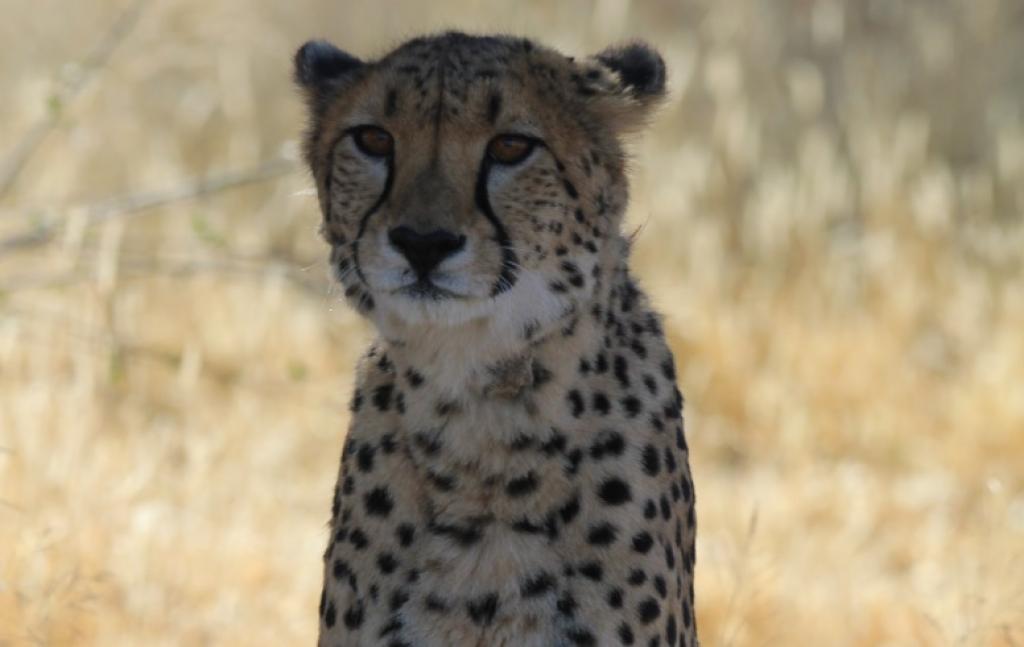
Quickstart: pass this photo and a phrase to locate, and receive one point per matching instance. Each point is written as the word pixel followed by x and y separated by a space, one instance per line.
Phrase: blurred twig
pixel 93 63
pixel 133 203
pixel 229 266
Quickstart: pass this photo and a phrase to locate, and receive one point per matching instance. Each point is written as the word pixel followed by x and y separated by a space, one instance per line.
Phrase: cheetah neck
pixel 482 361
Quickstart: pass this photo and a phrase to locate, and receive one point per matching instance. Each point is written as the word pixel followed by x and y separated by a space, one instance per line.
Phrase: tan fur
pixel 506 426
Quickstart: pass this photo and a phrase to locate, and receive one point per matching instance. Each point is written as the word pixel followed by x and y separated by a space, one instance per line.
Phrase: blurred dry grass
pixel 831 212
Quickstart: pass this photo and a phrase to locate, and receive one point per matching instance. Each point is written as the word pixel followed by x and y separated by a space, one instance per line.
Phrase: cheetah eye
pixel 510 149
pixel 374 141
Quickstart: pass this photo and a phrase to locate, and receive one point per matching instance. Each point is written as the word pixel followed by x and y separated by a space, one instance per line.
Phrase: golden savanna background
pixel 830 215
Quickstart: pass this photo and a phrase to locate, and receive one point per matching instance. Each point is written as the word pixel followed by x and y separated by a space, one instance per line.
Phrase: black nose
pixel 425 251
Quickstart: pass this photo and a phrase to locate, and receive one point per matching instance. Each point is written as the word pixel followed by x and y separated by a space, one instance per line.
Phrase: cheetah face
pixel 464 178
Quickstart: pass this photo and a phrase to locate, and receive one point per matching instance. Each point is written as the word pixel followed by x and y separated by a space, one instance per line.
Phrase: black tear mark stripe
pixel 376 205
pixel 508 276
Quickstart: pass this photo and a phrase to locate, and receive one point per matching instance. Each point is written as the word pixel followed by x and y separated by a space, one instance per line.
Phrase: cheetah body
pixel 516 470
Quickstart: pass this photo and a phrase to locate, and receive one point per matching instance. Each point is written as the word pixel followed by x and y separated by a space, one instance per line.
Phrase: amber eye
pixel 509 149
pixel 374 141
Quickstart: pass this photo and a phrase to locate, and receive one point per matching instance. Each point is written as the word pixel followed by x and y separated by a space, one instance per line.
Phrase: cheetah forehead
pixel 473 82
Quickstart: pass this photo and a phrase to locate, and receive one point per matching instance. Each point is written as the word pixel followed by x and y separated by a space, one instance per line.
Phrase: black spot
pixel 354 616
pixel 651 461
pixel 637 577
pixel 668 369
pixel 566 604
pixel 364 457
pixel 406 532
pixel 680 438
pixel 608 442
pixel 591 571
pixel 445 408
pixel 428 442
pixel 526 526
pixel 387 563
pixel 650 509
pixel 434 603
pixel 482 610
pixel 522 485
pixel 443 482
pixel 341 570
pixel 642 542
pixel 570 509
pixel 614 491
pixel 541 375
pixel 391 103
pixel 602 534
pixel 382 396
pixel 670 557
pixel 521 442
pixel 651 384
pixel 358 539
pixel 632 405
pixel 582 637
pixel 493 107
pixel 639 349
pixel 554 445
pixel 330 615
pixel 575 403
pixel 621 371
pixel 570 189
pixel 660 586
pixel 670 461
pixel 538 585
pixel 378 502
pixel 398 599
pixel 670 630
pixel 626 634
pixel 666 509
pixel 615 598
pixel 574 457
pixel 648 610
pixel 414 378
pixel 601 403
pixel 393 625
pixel 466 535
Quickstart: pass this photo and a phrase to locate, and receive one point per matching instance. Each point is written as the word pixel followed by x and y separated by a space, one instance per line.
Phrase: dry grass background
pixel 830 212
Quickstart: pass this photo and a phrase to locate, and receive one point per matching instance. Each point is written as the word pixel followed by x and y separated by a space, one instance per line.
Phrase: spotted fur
pixel 516 472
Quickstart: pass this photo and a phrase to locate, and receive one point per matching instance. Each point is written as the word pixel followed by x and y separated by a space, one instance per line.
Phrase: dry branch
pixel 134 203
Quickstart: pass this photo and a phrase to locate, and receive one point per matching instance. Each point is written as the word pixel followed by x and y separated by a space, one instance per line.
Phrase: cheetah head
pixel 473 181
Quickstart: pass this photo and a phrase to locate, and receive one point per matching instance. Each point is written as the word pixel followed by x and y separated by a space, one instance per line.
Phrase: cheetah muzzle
pixel 516 471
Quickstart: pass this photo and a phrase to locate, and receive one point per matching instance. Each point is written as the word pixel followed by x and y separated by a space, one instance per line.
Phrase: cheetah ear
pixel 321 69
pixel 640 68
pixel 628 81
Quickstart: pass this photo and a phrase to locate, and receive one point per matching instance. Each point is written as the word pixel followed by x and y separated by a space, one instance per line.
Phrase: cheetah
pixel 516 471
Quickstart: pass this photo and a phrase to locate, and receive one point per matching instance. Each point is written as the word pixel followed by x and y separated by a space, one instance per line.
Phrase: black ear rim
pixel 319 62
pixel 639 66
